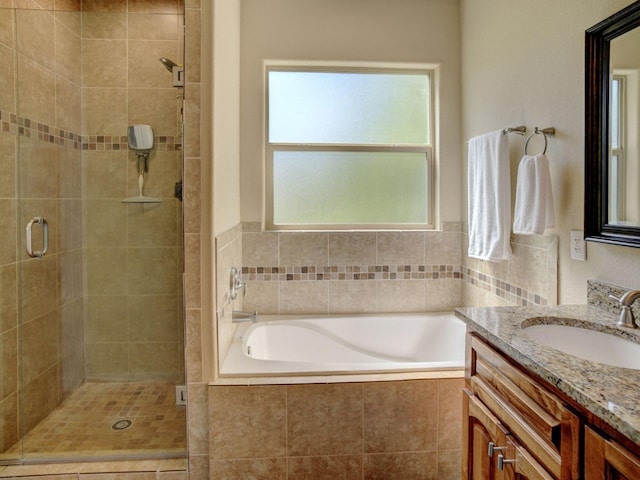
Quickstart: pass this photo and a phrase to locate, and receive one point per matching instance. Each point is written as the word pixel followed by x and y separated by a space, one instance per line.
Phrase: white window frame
pixel 340 67
pixel 617 160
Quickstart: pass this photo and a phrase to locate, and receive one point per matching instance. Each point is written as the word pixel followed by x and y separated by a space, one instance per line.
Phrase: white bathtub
pixel 419 345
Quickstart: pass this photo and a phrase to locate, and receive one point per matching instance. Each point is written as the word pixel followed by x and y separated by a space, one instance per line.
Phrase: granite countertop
pixel 610 393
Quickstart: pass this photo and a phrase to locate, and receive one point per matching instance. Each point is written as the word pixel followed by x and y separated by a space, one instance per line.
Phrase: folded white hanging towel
pixel 534 197
pixel 489 197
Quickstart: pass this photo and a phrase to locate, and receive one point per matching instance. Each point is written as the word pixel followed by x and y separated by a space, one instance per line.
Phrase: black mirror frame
pixel 596 179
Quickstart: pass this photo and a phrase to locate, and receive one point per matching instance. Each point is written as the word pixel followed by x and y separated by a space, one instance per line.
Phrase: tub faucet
pixel 625 302
pixel 239 317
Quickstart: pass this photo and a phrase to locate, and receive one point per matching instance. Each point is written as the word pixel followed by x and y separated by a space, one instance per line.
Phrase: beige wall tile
pixel 105 173
pixel 68 52
pixel 255 468
pixel 9 418
pixel 156 26
pixel 297 249
pixel 260 249
pixel 106 271
pixel 193 51
pixel 69 173
pixel 449 464
pixel 7 25
pixel 250 421
pixel 156 107
pixel 104 111
pixel 38 287
pixel 401 248
pixel 35 36
pixel 101 6
pixel 68 108
pixel 352 296
pixel 156 361
pixel 154 6
pixel 36 91
pixel 164 170
pixel 324 419
pixel 416 466
pixel 198 394
pixel 304 297
pixel 106 319
pixel 152 271
pixel 450 413
pixel 400 295
pixel 442 248
pixel 8 216
pixel 153 318
pixel 70 17
pixel 39 352
pixel 145 69
pixel 152 225
pixel 8 296
pixel 263 297
pixel 103 63
pixel 348 467
pixel 104 25
pixel 7 77
pixel 352 249
pixel 106 222
pixel 443 294
pixel 400 416
pixel 106 361
pixel 38 172
pixel 9 365
pixel 192 112
pixel 41 397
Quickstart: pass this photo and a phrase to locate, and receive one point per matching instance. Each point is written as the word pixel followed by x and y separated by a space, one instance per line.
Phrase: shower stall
pixel 91 302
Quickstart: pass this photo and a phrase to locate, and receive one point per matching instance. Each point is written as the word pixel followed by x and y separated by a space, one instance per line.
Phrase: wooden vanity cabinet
pixel 536 435
pixel 607 460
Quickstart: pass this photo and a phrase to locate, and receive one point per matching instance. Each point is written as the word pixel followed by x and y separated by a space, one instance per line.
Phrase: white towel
pixel 489 197
pixel 534 198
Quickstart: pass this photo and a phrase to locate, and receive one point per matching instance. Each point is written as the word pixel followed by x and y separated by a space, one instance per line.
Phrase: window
pixel 348 148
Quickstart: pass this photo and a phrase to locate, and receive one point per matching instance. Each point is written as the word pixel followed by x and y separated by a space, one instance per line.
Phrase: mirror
pixel 140 137
pixel 612 129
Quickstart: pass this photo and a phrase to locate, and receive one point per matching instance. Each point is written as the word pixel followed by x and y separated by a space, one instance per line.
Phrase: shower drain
pixel 121 425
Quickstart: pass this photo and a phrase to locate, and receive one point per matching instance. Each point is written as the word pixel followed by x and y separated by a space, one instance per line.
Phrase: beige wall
pixel 523 63
pixel 424 31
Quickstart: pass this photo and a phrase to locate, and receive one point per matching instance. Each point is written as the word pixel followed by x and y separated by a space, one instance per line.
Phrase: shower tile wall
pixel 133 252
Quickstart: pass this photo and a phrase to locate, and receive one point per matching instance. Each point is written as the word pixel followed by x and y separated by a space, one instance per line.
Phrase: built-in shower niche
pixel 93 327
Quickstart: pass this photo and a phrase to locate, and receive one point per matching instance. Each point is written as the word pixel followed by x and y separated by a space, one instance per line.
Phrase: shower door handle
pixel 45 237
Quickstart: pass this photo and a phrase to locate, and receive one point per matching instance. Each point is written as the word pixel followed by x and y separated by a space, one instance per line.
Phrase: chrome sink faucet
pixel 239 317
pixel 626 315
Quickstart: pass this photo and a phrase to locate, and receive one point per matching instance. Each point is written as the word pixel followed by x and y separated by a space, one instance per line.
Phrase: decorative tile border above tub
pixel 20 126
pixel 511 293
pixel 351 272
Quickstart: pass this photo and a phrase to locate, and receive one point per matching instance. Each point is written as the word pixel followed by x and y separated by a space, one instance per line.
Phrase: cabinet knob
pixel 502 461
pixel 492 448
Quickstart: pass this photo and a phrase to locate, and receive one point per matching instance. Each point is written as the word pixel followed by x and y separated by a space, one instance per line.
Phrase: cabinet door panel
pixel 606 460
pixel 525 467
pixel 481 428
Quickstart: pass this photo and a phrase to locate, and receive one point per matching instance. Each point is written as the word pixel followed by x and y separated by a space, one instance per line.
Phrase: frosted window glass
pixel 616 102
pixel 349 188
pixel 348 108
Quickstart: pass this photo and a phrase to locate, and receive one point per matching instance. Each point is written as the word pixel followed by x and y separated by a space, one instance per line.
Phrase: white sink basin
pixel 588 344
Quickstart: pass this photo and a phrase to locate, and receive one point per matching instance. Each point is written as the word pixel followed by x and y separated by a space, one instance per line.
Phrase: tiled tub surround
pixel 376 430
pixel 609 393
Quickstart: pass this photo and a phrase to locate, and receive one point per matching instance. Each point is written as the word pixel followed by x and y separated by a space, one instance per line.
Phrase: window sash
pixel 269 188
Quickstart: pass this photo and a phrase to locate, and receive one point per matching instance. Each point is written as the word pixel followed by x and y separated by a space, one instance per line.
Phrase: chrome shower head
pixel 168 64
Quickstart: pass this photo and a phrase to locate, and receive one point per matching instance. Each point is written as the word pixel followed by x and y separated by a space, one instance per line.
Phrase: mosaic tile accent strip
pixel 502 289
pixel 20 126
pixel 351 272
pixel 498 287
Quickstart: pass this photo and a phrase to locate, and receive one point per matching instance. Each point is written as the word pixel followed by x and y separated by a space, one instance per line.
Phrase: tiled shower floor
pixel 82 425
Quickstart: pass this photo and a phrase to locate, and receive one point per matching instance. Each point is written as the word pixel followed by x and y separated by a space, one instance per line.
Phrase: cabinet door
pixel 481 428
pixel 606 460
pixel 519 464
